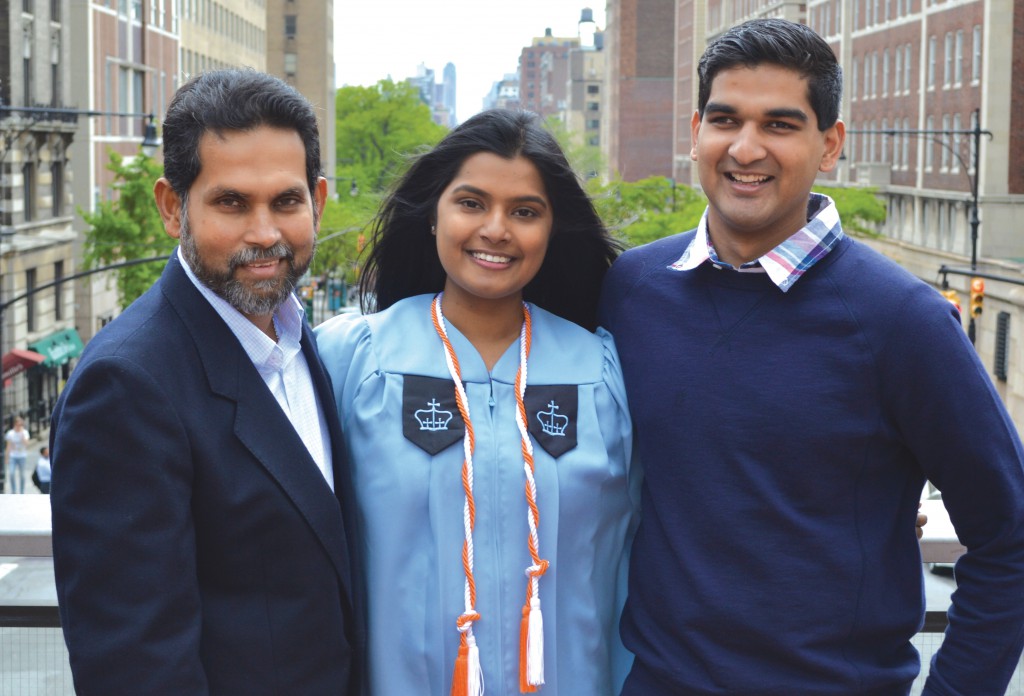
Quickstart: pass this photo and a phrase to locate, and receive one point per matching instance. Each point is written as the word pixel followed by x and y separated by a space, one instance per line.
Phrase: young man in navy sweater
pixel 791 391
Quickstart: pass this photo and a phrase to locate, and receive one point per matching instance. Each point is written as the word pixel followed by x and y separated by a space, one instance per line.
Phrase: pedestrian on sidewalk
pixel 17 452
pixel 41 475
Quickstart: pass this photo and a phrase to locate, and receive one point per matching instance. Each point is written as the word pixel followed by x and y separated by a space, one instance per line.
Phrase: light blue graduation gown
pixel 411 502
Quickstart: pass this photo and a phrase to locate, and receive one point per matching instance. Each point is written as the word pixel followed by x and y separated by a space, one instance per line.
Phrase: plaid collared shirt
pixel 788 261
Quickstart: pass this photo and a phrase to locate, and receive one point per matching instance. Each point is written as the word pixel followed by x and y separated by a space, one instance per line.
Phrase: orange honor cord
pixel 467 679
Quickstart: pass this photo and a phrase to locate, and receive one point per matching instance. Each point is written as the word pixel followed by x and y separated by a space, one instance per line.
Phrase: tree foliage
pixel 128 227
pixel 861 209
pixel 343 234
pixel 377 129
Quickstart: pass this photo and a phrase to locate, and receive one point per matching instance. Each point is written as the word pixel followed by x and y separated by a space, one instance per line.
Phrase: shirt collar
pixel 787 262
pixel 265 354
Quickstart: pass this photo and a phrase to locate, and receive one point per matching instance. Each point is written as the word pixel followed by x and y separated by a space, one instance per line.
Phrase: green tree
pixel 377 128
pixel 128 227
pixel 861 209
pixel 652 208
pixel 344 230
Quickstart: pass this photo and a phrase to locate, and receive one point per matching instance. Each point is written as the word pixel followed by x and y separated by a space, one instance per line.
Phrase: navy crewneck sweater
pixel 785 439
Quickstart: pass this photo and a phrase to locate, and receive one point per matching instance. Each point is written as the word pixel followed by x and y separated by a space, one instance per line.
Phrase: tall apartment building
pixel 543 73
pixel 125 61
pixel 583 111
pixel 222 34
pixel 37 334
pixel 637 130
pixel 448 87
pixel 300 50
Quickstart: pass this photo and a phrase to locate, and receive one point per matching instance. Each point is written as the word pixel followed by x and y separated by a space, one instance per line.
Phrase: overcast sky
pixel 374 39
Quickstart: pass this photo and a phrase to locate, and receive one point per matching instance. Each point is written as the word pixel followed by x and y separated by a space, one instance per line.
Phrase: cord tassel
pixel 474 675
pixel 531 648
pixel 460 677
pixel 468 678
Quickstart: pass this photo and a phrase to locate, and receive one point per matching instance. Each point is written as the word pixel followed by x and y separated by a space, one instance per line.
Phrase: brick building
pixel 637 130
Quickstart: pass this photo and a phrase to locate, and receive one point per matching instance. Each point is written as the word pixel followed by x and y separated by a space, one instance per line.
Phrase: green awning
pixel 58 347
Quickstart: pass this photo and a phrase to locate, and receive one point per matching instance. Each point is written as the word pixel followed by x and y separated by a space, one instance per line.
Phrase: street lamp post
pixel 938 136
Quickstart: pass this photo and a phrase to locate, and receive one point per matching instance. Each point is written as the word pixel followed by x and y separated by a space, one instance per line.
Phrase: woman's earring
pixel 433 229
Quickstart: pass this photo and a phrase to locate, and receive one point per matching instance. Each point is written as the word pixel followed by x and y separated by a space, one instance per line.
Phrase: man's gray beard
pixel 256 299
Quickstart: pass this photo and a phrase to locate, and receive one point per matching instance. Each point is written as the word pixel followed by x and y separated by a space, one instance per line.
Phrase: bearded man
pixel 202 521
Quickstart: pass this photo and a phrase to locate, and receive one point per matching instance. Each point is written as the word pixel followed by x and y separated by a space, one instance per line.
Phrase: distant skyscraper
pixel 449 92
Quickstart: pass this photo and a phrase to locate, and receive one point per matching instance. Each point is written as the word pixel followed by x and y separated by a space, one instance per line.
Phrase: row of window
pixel 955 149
pixel 29 7
pixel 221 20
pixel 826 18
pixel 893 68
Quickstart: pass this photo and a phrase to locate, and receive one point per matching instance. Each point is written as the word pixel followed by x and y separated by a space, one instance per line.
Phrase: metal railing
pixel 34 660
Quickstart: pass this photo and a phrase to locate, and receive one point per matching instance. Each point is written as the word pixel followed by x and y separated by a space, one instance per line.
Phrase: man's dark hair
pixel 403 260
pixel 233 100
pixel 785 44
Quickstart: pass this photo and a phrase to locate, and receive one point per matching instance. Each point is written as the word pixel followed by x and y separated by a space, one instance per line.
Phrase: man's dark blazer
pixel 197 548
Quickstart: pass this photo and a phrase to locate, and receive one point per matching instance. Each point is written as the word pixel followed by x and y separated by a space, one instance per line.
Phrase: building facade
pixel 637 130
pixel 125 69
pixel 37 126
pixel 300 50
pixel 544 72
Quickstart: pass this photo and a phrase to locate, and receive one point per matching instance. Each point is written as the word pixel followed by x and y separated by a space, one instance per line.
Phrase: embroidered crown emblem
pixel 553 423
pixel 433 419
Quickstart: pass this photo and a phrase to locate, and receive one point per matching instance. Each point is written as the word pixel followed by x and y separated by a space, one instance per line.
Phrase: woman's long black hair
pixel 403 258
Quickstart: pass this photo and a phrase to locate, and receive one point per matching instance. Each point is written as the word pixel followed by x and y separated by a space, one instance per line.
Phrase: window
pixel 932 47
pixel 30 299
pixel 28 94
pixel 28 6
pixel 945 150
pixel 55 71
pixel 907 68
pixel 28 190
pixel 885 72
pixel 291 63
pixel 906 144
pixel 55 10
pixel 955 160
pixel 593 89
pixel 958 60
pixel 885 141
pixel 867 77
pixel 58 290
pixel 898 72
pixel 929 152
pixel 976 58
pixel 593 106
pixel 874 73
pixel 947 63
pixel 57 188
pixel 853 80
pixel 290 26
pixel 593 124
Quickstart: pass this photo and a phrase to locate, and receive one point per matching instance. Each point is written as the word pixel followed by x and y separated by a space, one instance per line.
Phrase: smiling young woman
pixel 487 427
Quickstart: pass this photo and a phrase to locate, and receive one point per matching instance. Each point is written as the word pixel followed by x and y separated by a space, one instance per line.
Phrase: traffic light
pixel 954 298
pixel 977 296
